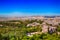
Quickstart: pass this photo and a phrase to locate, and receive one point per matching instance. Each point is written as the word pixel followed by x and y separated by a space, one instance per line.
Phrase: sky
pixel 29 7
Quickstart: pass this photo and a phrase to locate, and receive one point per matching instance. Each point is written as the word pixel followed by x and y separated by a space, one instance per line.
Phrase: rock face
pixel 44 28
pixel 32 33
pixel 33 24
pixel 52 29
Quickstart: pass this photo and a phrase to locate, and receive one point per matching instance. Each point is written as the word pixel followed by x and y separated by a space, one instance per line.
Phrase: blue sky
pixel 29 7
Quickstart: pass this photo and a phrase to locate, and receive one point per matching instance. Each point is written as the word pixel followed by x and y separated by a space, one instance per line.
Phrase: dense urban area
pixel 30 28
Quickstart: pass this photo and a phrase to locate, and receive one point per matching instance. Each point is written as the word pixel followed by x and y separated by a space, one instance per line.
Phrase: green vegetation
pixel 10 30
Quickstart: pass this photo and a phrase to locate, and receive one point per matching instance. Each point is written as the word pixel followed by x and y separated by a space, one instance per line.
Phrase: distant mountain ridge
pixel 49 16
